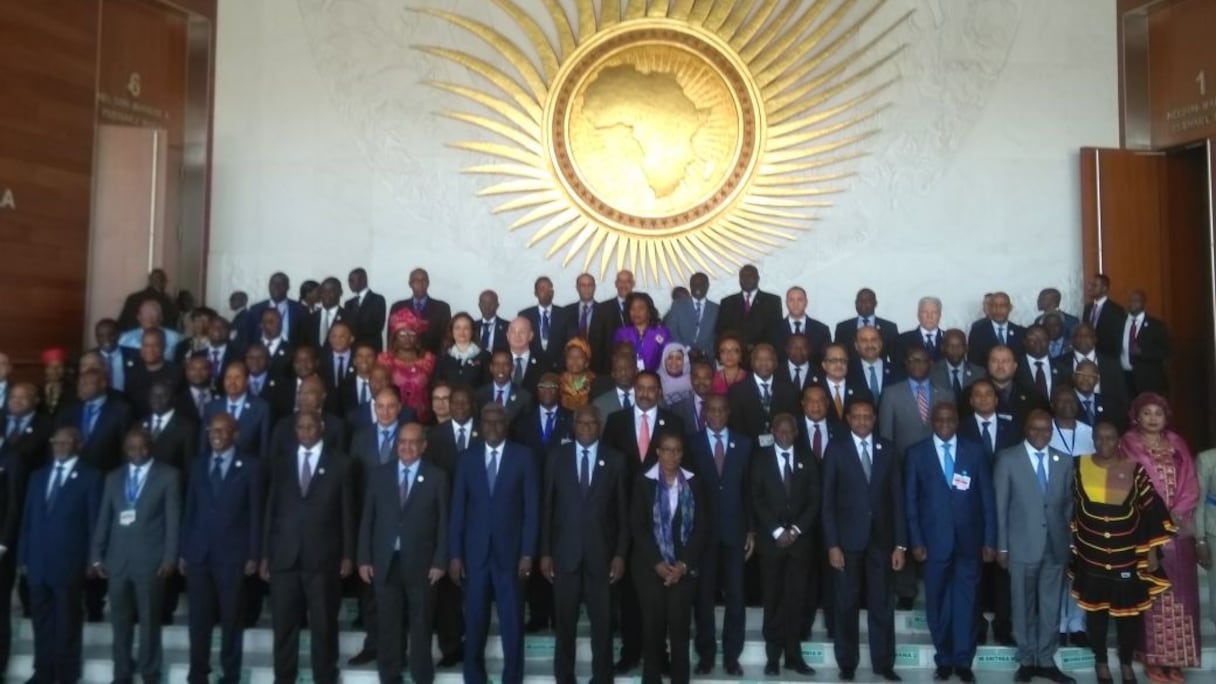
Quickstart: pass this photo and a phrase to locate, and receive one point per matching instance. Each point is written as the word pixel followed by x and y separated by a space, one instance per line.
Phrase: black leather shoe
pixel 704 667
pixel 800 667
pixel 846 676
pixel 965 674
pixel 623 666
pixel 1078 639
pixel 889 676
pixel 450 660
pixel 733 669
pixel 942 673
pixel 1053 673
pixel 362 657
pixel 904 603
pixel 1025 673
pixel 772 669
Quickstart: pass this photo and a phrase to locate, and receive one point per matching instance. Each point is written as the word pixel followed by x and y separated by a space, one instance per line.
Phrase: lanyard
pixel 1071 446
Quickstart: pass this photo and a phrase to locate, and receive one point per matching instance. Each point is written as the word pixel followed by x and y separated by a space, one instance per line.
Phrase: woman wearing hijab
pixel 675 372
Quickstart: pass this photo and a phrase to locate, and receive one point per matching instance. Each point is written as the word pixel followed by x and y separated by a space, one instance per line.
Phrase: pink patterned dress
pixel 413 380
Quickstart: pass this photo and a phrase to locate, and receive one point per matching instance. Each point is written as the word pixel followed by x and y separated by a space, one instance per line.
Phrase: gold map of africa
pixel 656 138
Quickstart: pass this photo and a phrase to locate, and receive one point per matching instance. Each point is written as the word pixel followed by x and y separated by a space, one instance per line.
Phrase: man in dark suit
pixel 550 324
pixel 103 419
pixel 1096 406
pixel 953 370
pixel 1014 401
pixel 329 312
pixel 284 400
pixel 797 368
pixel 994 329
pixel 1145 349
pixel 174 442
pixel 221 544
pixel 952 529
pixel 721 457
pixel 581 320
pixel 904 416
pixel 311 399
pixel 1110 385
pixel 620 393
pixel 292 314
pixel 403 550
pixel 279 351
pixel 863 528
pixel 198 390
pixel 751 314
pixel 23 449
pixel 754 402
pixel 149 367
pixel 927 335
pixel 631 431
pixel 238 304
pixel 815 431
pixel 135 547
pixel 251 413
pixel 308 548
pixel 1036 372
pixel 1105 316
pixel 1048 303
pixel 692 320
pixel 691 409
pixel 337 367
pixel 526 367
pixel 866 303
pixel 796 322
pixel 873 366
pixel 493 536
pixel 56 527
pixel 365 311
pixel 157 291
pixel 584 536
pixel 220 350
pixel 842 392
pixel 491 330
pixel 610 314
pixel 502 389
pixel 784 493
pixel 435 312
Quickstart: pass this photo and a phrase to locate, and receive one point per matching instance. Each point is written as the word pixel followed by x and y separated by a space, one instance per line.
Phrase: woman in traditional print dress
pixel 576 380
pixel 647 335
pixel 1171 626
pixel 411 365
pixel 1119 524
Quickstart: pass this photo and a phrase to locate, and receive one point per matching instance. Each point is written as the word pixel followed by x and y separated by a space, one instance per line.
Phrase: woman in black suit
pixel 669 520
pixel 463 361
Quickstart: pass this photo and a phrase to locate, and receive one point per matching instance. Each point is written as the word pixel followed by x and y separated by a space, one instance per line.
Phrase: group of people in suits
pixel 273 456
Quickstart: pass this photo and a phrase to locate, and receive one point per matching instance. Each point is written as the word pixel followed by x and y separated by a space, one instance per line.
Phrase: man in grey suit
pixel 1033 508
pixel 692 321
pixel 620 397
pixel 135 546
pixel 403 549
pixel 953 370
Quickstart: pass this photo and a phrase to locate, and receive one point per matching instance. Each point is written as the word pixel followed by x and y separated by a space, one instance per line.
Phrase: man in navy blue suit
pixel 721 456
pixel 56 529
pixel 863 528
pixel 951 515
pixel 251 413
pixel 494 527
pixel 291 312
pixel 994 329
pixel 365 311
pixel 220 547
pixel 551 326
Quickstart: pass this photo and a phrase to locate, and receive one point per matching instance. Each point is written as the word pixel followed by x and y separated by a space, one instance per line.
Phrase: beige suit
pixel 1205 518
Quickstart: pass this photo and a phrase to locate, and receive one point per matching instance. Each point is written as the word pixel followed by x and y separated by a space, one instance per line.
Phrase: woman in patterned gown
pixel 411 365
pixel 1119 524
pixel 1171 626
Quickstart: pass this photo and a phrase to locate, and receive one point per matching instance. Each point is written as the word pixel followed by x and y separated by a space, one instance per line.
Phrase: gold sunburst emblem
pixel 668 137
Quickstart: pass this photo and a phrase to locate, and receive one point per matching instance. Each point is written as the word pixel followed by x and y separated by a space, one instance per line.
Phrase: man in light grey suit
pixel 953 371
pixel 620 397
pixel 135 546
pixel 692 320
pixel 1033 508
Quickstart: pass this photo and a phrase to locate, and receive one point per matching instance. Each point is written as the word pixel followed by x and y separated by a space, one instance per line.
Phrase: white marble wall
pixel 328 155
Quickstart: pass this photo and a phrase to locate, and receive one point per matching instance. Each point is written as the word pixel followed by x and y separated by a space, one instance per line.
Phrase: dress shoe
pixel 889 676
pixel 904 603
pixel 772 669
pixel 1079 639
pixel 450 660
pixel 800 667
pixel 1102 672
pixel 845 675
pixel 362 657
pixel 965 674
pixel 1025 673
pixel 733 669
pixel 1053 673
pixel 942 673
pixel 535 626
pixel 704 667
pixel 623 666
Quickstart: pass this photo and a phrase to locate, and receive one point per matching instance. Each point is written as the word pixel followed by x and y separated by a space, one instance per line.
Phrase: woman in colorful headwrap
pixel 676 373
pixel 1119 525
pixel 575 382
pixel 55 388
pixel 644 332
pixel 1171 626
pixel 670 528
pixel 411 365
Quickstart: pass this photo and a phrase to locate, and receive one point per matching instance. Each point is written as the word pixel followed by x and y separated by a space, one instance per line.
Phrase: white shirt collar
pixel 239 401
pixel 761 383
pixel 1100 301
pixel 924 332
pixel 361 294
pixel 164 417
pixel 953 442
pixel 1031 451
pixel 314 451
pixel 68 466
pixel 858 440
pixel 1079 357
pixel 650 414
pixel 467 426
pixel 653 473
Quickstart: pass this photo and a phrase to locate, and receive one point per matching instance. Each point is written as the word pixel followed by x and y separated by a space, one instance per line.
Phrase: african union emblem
pixel 671 136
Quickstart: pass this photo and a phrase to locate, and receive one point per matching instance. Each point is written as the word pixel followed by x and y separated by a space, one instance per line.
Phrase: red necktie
pixel 747 303
pixel 1132 333
pixel 644 437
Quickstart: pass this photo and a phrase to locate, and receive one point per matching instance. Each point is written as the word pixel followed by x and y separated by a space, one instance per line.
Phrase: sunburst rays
pixel 809 64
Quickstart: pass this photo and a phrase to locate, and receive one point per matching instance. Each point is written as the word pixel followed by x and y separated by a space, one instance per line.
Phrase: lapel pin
pixel 849 392
pixel 473 433
pixel 248 405
pixel 732 445
pixel 878 447
pixel 130 364
pixel 29 429
pixel 74 474
pixel 601 463
pixel 800 466
pixel 320 471
pixel 1055 458
pixel 420 478
pixel 236 464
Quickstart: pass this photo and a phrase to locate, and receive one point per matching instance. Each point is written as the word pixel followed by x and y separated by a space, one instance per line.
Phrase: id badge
pixel 127 517
pixel 766 441
pixel 962 482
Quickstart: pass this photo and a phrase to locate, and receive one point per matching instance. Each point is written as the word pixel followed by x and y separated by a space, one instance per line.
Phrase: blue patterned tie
pixel 1041 470
pixel 948 463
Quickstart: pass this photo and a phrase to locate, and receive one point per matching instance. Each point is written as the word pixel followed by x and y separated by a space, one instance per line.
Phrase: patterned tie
pixel 305 473
pixel 56 485
pixel 584 319
pixel 867 463
pixel 817 442
pixel 947 463
pixel 492 470
pixel 462 440
pixel 874 389
pixel 485 334
pixel 1041 471
pixel 839 401
pixel 719 453
pixel 217 475
pixel 1089 410
pixel 385 440
pixel 584 472
pixel 766 397
pixel 986 434
pixel 1000 332
pixel 404 486
pixel 1132 333
pixel 644 437
pixel 922 403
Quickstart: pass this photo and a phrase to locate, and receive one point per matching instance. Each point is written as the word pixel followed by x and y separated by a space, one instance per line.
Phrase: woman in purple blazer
pixel 644 331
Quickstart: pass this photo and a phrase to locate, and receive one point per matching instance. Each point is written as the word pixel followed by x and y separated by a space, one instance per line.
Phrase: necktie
pixel 485 334
pixel 584 319
pixel 362 391
pixel 866 462
pixel 839 400
pixel 305 473
pixel 867 321
pixel 766 397
pixel 133 485
pixel 385 440
pixel 986 434
pixel 956 384
pixel 200 402
pixel 697 307
pixel 874 389
pixel 817 442
pixel 1094 311
pixel 922 402
pixel 797 327
pixel 1132 333
pixel 787 473
pixel 12 429
pixel 90 418
pixel 404 487
pixel 518 377
pixel 1000 332
pixel 492 470
pixel 56 485
pixel 217 475
pixel 462 440
pixel 929 343
pixel 1089 410
pixel 644 437
pixel 1040 378
pixel 798 377
pixel 417 306
pixel 544 325
pixel 584 472
pixel 255 386
pixel 700 413
pixel 747 303
pixel 1041 470
pixel 499 399
pixel 719 453
pixel 215 363
pixel 947 463
pixel 341 370
pixel 550 418
pixel 625 401
pixel 233 410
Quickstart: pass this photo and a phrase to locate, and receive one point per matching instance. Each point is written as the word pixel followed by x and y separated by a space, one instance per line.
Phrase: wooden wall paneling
pixel 1122 224
pixel 1182 72
pixel 141 78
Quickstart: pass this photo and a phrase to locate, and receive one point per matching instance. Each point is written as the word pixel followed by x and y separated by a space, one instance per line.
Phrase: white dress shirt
pixel 314 455
pixel 1046 361
pixel 1034 460
pixel 1078 441
pixel 68 466
pixel 494 452
pixel 593 450
pixel 782 455
pixel 979 427
pixel 1125 353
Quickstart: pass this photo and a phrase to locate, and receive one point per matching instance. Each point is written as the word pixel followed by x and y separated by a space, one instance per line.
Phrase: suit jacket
pixel 856 513
pixel 336 389
pixel 103 447
pixel 283 435
pixel 223 529
pixel 528 431
pixel 774 508
pixel 516 403
pixel 150 542
pixel 13 475
pixel 846 334
pixel 419 527
pixel 1031 525
pixel 293 325
pixel 1106 407
pixel 969 373
pixel 899 415
pixel 730 492
pixel 817 333
pixel 177 443
pixel 911 339
pixel 139 381
pixel 1148 364
pixel 785 375
pixel 1015 402
pixel 605 319
pixel 982 338
pixel 950 520
pixel 314 531
pixel 253 426
pixel 620 433
pixel 437 314
pixel 686 410
pixel 494 530
pixel 851 394
pixel 806 434
pixel 441 447
pixel 892 373
pixel 472 373
pixel 279 368
pixel 608 403
pixel 757 325
pixel 499 343
pixel 367 319
pixel 553 358
pixel 1025 378
pixel 584 530
pixel 238 328
pixel 30 447
pixel 1109 329
pixel 641 525
pixel 1112 384
pixel 682 322
pixel 1004 433
pixel 747 414
pixel 232 352
pixel 54 544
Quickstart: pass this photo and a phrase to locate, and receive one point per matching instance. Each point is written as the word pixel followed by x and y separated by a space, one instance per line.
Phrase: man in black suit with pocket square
pixel 365 311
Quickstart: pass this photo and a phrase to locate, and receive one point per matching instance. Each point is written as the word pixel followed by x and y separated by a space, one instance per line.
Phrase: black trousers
pixel 818 587
pixel 721 573
pixel 784 573
pixel 8 576
pixel 1097 624
pixel 449 617
pixel 95 591
pixel 540 601
pixel 369 612
pixel 994 597
pixel 588 586
pixel 402 598
pixel 630 621
pixel 294 594
pixel 175 585
pixel 666 615
pixel 874 566
pixel 216 597
pixel 58 629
